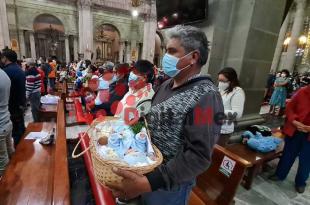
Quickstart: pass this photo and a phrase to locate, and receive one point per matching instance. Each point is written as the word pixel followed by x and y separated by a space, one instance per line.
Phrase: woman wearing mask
pixel 279 94
pixel 137 100
pixel 297 140
pixel 233 100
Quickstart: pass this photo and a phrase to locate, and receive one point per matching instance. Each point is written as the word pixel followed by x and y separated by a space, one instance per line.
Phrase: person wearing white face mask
pixel 233 100
pixel 278 98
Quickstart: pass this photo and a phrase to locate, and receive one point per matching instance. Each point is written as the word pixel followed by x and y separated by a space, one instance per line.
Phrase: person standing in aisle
pixel 17 102
pixel 33 87
pixel 297 141
pixel 6 141
pixel 52 74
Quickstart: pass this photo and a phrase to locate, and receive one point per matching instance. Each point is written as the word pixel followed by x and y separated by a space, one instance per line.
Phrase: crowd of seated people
pixel 120 90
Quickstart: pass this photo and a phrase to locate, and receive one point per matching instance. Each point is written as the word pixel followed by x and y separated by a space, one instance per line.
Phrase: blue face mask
pixel 132 77
pixel 114 79
pixel 103 85
pixel 170 65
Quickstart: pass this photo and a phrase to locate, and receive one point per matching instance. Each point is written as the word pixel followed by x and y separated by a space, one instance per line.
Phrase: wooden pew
pixel 61 185
pixel 213 187
pixel 256 159
pixel 48 113
pixel 64 92
pixel 38 174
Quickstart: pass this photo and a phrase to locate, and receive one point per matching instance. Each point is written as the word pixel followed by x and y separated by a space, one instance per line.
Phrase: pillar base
pixel 247 120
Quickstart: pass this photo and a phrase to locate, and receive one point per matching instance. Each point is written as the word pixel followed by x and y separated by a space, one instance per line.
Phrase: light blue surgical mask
pixel 132 77
pixel 103 84
pixel 114 79
pixel 169 64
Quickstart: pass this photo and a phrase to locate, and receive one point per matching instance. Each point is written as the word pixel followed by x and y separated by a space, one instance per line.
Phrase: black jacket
pixel 17 100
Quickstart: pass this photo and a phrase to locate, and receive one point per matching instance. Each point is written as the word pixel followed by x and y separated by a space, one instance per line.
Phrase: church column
pixel 128 53
pixel 4 26
pixel 281 38
pixel 125 51
pixel 133 50
pixel 85 28
pixel 133 42
pixel 296 31
pixel 150 26
pixel 22 43
pixel 67 49
pixel 75 48
pixel 32 45
pixel 121 51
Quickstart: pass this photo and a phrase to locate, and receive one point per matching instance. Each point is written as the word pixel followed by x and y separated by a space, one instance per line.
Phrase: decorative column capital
pixel 84 3
pixel 300 4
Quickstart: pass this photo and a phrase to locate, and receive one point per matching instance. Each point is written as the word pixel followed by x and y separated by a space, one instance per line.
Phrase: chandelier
pixel 53 37
pixel 136 3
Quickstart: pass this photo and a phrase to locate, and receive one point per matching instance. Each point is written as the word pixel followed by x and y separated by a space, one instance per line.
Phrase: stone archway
pixel 107 43
pixel 49 37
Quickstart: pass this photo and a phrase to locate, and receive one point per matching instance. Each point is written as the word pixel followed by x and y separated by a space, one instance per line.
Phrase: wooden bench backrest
pixel 64 91
pixel 61 186
pixel 214 187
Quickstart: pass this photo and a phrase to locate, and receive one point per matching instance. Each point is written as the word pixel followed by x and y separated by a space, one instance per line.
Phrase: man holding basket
pixel 182 124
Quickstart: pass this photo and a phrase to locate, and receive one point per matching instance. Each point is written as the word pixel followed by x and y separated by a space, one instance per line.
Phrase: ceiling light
pixel 135 13
pixel 160 25
pixel 175 15
pixel 302 39
pixel 287 41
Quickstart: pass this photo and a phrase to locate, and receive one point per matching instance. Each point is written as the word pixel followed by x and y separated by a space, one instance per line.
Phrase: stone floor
pixel 267 192
pixel 263 190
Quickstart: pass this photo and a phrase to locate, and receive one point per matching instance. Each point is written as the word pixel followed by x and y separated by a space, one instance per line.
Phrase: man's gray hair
pixel 30 62
pixel 191 39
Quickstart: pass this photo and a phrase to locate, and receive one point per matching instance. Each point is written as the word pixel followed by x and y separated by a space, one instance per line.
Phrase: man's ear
pixel 195 57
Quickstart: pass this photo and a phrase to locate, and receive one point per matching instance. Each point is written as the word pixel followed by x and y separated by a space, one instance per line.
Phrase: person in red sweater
pixel 297 141
pixel 42 76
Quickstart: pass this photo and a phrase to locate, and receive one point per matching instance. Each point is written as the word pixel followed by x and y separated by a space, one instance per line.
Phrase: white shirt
pixel 132 99
pixel 233 103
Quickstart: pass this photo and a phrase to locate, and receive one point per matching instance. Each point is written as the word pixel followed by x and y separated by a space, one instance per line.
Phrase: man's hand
pixel 132 185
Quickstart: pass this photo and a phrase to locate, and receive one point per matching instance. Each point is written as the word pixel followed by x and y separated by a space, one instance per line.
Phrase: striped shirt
pixel 33 81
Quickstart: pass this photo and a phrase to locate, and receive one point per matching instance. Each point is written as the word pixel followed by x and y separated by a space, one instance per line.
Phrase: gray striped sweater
pixel 184 127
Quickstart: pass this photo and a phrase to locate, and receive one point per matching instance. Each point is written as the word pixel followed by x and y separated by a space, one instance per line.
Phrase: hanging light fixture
pixel 135 13
pixel 135 4
pixel 287 41
pixel 302 40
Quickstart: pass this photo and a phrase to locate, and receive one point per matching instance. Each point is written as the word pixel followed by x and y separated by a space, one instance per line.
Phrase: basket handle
pixel 80 140
pixel 74 150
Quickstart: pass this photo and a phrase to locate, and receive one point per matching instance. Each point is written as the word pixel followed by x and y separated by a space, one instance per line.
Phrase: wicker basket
pixel 103 167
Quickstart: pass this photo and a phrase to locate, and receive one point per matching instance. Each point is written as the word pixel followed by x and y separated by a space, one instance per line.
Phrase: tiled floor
pixel 267 192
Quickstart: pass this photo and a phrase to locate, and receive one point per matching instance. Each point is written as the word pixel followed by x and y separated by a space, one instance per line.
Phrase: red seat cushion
pixel 102 195
pixel 79 111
